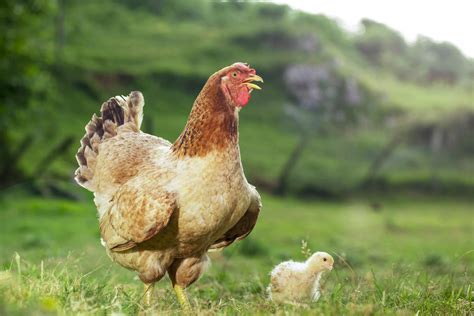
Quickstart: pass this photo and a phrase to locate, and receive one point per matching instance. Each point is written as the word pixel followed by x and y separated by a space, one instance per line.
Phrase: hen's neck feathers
pixel 212 123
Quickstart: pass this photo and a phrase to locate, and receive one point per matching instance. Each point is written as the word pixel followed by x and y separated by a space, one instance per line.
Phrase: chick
pixel 292 281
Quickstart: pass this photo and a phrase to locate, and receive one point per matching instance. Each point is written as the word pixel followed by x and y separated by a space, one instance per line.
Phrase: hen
pixel 162 206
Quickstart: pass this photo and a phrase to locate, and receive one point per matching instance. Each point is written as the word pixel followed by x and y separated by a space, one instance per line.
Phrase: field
pixel 393 256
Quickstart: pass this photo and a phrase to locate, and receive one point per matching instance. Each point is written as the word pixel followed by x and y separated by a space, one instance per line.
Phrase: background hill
pixel 387 114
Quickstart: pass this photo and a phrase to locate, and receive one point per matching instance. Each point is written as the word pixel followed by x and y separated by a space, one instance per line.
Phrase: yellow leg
pixel 182 298
pixel 148 294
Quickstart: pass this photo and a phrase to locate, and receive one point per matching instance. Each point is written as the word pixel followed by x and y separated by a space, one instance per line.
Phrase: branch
pixel 282 184
pixel 53 154
pixel 382 157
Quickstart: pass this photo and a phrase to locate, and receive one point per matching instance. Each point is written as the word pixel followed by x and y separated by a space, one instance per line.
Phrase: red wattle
pixel 243 97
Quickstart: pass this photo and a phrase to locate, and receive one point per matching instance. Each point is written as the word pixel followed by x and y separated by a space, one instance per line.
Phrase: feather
pixel 113 116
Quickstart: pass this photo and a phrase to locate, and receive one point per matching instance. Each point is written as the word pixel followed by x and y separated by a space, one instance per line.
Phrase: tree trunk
pixel 436 146
pixel 282 184
pixel 52 155
pixel 381 158
pixel 9 170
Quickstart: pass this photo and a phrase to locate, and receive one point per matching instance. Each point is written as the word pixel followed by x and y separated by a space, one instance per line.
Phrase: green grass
pixel 411 255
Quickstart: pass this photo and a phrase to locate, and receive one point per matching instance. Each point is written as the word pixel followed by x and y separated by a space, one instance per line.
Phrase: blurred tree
pixel 378 43
pixel 60 31
pixel 322 99
pixel 24 61
pixel 437 62
pixel 188 10
pixel 425 61
pixel 272 12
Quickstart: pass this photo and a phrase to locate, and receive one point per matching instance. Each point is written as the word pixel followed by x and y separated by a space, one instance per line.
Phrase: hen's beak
pixel 248 82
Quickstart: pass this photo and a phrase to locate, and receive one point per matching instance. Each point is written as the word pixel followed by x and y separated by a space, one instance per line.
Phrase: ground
pixel 403 255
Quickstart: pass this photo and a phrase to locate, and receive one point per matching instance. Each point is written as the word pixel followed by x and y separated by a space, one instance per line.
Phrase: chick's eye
pixel 325 259
pixel 234 74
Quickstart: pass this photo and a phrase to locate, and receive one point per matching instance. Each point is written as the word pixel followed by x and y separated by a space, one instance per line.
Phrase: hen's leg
pixel 184 272
pixel 153 271
pixel 182 297
pixel 148 293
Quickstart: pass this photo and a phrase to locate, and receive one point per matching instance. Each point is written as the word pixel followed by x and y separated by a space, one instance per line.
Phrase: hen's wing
pixel 244 226
pixel 138 211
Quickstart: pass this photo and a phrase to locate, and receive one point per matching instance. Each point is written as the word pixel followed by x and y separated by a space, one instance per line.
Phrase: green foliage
pixel 437 62
pixel 379 43
pixel 24 58
pixel 167 49
pixel 24 79
pixel 426 61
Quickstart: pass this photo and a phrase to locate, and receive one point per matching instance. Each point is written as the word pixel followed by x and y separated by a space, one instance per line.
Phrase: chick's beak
pixel 249 81
pixel 331 264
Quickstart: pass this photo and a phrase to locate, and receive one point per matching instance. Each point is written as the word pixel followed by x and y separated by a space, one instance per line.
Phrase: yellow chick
pixel 292 281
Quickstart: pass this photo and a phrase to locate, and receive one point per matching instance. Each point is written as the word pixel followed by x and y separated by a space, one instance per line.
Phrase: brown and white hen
pixel 162 206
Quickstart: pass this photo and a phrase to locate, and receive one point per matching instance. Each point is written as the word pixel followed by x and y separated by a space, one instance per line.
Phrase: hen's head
pixel 236 82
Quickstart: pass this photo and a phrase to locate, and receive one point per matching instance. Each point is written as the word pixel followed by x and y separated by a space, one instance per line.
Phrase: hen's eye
pixel 234 74
pixel 325 259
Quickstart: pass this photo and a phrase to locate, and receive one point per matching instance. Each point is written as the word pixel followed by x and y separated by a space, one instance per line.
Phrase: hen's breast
pixel 213 195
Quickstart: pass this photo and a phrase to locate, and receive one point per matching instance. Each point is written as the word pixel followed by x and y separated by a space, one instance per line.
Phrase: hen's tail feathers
pixel 117 114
